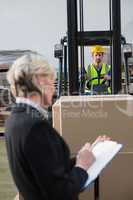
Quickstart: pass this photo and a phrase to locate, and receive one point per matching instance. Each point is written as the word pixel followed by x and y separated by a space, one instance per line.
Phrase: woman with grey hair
pixel 38 156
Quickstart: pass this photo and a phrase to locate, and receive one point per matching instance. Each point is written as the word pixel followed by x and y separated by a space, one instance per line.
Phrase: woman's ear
pixel 37 81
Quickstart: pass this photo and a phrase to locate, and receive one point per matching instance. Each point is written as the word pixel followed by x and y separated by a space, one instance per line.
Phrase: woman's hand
pixel 100 139
pixel 85 157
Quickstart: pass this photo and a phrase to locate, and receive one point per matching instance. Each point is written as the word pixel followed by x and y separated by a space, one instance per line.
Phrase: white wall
pixel 39 24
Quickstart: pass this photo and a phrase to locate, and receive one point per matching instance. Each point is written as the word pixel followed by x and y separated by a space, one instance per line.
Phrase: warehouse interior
pixel 66 40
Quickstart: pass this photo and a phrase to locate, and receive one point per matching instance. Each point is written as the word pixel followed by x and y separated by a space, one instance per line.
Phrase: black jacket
pixel 39 158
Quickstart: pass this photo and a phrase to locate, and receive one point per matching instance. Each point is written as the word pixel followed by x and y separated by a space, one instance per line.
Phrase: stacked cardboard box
pixel 80 119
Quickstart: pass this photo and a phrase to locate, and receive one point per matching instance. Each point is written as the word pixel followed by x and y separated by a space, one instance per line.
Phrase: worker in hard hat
pixel 98 74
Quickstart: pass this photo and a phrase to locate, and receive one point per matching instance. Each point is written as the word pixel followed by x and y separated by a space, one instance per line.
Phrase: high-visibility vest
pixel 93 79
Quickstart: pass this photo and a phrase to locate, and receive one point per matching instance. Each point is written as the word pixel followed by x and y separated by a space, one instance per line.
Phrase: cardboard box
pixel 80 119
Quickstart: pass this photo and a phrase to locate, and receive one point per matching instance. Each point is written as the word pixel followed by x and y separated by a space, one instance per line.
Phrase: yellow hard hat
pixel 98 49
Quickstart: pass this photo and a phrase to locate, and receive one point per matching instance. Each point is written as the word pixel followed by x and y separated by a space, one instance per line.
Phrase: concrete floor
pixel 7 187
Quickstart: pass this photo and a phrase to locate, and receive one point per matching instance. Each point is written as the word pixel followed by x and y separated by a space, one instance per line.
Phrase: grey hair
pixel 20 75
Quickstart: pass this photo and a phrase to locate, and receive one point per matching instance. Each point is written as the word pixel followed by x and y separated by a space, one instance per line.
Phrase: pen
pixel 94 144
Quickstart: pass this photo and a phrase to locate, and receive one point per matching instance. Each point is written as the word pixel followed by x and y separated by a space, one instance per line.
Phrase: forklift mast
pixel 83 38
